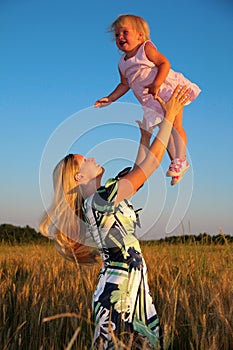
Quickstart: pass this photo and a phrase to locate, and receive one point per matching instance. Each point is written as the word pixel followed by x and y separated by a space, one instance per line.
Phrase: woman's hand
pixel 177 101
pixel 102 102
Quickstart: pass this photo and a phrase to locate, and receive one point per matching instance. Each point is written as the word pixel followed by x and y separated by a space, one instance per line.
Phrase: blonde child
pixel 147 72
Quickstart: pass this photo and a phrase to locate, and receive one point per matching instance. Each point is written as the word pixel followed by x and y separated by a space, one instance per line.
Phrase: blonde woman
pixel 147 72
pixel 122 305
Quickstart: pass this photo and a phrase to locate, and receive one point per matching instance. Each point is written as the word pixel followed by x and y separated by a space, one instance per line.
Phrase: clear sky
pixel 57 58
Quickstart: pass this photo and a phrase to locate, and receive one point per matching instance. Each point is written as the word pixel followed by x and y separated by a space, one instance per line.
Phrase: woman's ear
pixel 78 177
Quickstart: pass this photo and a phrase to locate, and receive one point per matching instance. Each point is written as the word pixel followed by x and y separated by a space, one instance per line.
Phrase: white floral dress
pixel 122 304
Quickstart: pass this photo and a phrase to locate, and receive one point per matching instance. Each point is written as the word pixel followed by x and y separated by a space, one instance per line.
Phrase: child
pixel 147 72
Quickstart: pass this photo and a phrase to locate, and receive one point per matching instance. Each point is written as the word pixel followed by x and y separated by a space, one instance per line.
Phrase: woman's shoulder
pixel 123 172
pixel 111 184
pixel 106 194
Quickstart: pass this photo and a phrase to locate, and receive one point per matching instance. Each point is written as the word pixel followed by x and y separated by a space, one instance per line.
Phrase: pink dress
pixel 140 72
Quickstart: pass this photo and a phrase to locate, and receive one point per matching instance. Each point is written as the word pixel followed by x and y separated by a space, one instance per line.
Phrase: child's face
pixel 127 38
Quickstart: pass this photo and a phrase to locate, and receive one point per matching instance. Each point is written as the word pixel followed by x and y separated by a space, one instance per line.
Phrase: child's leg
pixel 179 164
pixel 171 149
pixel 180 137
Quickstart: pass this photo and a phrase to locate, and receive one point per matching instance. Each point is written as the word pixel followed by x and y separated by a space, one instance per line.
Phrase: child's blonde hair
pixel 138 23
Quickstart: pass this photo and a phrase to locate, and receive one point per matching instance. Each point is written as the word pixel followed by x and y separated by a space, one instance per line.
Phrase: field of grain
pixel 45 301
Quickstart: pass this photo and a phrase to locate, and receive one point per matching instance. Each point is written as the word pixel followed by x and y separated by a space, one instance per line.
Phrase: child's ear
pixel 140 36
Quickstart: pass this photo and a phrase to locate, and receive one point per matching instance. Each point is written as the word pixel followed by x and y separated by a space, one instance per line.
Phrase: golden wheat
pixel 46 301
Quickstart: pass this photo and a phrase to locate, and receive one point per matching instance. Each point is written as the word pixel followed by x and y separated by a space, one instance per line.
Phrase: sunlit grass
pixel 45 301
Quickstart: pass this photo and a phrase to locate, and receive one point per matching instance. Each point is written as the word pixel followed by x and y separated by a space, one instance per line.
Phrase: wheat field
pixel 45 301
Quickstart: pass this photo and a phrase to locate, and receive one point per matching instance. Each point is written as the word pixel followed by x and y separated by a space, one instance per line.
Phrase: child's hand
pixel 152 89
pixel 102 102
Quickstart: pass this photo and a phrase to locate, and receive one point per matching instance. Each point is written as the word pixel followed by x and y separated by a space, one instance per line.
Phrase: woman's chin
pixel 100 171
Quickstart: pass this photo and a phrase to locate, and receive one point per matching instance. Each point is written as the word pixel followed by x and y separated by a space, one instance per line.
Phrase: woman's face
pixel 88 169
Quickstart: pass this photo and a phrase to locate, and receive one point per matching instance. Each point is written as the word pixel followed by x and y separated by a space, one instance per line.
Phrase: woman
pixel 122 305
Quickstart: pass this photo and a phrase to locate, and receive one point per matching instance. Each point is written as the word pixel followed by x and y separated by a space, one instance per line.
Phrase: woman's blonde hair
pixel 64 221
pixel 138 23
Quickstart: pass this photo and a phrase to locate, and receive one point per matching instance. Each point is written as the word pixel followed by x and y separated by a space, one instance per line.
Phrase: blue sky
pixel 57 59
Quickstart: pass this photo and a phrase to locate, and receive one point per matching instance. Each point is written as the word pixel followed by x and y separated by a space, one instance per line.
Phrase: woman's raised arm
pixel 144 168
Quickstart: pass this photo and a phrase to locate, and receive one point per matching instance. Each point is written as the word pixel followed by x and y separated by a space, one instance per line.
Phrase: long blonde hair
pixel 64 221
pixel 138 23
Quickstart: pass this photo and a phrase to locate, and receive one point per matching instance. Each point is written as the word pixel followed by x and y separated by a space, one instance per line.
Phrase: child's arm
pixel 119 91
pixel 163 67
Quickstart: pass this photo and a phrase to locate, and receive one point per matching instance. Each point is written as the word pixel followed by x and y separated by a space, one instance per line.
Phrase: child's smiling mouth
pixel 122 43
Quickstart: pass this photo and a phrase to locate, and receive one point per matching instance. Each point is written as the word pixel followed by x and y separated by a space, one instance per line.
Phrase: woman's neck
pixel 90 188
